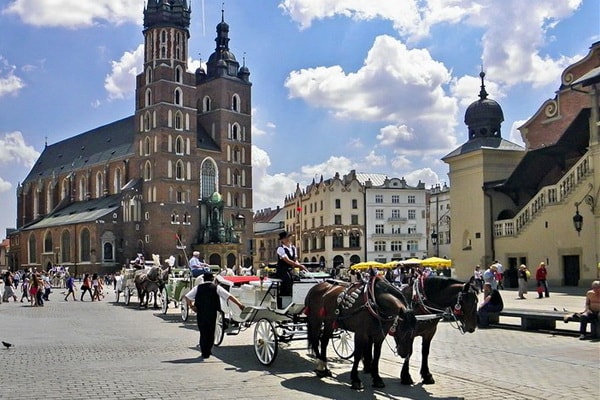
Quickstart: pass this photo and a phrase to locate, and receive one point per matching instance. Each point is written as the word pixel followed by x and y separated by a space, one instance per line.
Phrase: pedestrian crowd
pixel 35 288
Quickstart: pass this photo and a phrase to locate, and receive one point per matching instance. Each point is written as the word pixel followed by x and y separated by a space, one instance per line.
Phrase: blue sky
pixel 376 86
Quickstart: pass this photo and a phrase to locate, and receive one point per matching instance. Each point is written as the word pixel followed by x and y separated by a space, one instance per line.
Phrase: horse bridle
pixel 449 313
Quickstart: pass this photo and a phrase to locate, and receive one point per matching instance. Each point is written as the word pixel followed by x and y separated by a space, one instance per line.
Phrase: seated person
pixel 592 309
pixel 138 262
pixel 196 266
pixel 492 303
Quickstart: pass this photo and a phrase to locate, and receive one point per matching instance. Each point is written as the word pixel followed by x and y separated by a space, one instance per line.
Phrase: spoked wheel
pixel 127 295
pixel 343 344
pixel 164 301
pixel 219 328
pixel 185 311
pixel 265 342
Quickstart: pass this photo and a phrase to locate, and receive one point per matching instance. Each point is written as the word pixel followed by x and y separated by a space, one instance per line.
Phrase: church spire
pixel 482 93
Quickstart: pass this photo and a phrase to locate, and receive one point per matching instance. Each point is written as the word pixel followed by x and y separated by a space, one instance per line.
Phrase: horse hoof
pixel 407 382
pixel 428 380
pixel 323 373
pixel 378 384
pixel 357 385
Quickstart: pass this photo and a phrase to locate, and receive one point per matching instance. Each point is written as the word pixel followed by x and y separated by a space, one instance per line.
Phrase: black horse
pixel 432 299
pixel 369 309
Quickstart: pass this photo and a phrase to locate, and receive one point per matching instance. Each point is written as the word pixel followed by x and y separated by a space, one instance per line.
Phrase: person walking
pixel 96 287
pixel 522 275
pixel 25 290
pixel 86 286
pixel 478 277
pixel 204 299
pixel 34 288
pixel 70 283
pixel 9 288
pixel 541 274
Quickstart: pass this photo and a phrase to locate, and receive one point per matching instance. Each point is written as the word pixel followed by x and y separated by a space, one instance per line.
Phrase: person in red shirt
pixel 542 285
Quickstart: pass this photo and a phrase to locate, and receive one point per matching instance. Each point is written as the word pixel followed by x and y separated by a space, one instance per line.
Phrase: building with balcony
pixel 539 203
pixel 396 218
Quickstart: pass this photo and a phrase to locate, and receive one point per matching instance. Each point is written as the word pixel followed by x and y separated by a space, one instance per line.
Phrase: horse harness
pixel 347 298
pixel 449 313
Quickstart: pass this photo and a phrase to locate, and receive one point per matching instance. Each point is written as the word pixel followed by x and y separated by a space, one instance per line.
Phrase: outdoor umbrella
pixel 436 262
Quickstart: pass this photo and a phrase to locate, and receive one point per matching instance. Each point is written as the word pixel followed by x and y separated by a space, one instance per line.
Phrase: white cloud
pixel 466 89
pixel 515 31
pixel 515 135
pixel 120 83
pixel 395 84
pixel 75 13
pixel 373 160
pixel 425 175
pixel 268 189
pixel 5 186
pixel 13 149
pixel 10 84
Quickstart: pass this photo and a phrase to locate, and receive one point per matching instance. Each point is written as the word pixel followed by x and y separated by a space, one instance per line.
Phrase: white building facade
pixel 396 219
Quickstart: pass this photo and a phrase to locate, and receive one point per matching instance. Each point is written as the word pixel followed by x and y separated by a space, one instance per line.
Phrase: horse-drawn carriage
pixel 272 325
pixel 143 280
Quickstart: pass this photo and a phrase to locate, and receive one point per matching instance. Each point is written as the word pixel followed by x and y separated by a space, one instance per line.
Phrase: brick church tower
pixel 193 141
pixel 176 175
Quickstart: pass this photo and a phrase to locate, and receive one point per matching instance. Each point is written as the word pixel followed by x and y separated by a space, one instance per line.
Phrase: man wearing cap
pixel 204 299
pixel 287 255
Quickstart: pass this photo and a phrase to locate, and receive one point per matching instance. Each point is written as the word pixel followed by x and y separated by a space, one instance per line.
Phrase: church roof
pixel 80 212
pixel 536 164
pixel 97 146
pixel 484 142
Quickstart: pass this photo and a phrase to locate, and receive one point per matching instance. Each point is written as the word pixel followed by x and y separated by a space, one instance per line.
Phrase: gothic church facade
pixel 173 177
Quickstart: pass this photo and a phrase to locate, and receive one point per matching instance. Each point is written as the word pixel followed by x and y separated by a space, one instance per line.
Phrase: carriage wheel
pixel 265 342
pixel 343 344
pixel 185 312
pixel 127 295
pixel 164 301
pixel 219 328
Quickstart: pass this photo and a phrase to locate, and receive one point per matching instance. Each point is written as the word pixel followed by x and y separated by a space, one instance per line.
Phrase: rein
pixel 449 313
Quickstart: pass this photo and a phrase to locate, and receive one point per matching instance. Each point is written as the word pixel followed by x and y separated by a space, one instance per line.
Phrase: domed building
pixel 148 183
pixel 539 203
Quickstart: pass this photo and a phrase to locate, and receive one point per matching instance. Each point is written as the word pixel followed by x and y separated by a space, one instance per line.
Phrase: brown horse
pixel 369 309
pixel 432 299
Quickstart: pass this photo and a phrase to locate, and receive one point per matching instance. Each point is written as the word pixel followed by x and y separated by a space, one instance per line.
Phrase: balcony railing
pixel 548 195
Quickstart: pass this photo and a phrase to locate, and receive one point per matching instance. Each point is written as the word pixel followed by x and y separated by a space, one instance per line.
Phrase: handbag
pixel 82 287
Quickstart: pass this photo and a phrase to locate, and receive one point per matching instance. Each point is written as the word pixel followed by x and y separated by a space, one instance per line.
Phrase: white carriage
pixel 272 325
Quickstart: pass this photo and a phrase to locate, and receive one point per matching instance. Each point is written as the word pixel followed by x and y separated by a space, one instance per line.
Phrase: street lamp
pixel 577 220
pixel 434 241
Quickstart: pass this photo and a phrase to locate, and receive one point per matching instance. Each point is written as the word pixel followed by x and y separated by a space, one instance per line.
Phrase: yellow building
pixel 539 203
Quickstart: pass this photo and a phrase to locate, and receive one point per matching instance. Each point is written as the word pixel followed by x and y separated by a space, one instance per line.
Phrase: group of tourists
pixel 34 287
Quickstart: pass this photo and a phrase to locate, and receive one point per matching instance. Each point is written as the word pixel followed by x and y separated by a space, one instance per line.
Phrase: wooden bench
pixel 531 319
